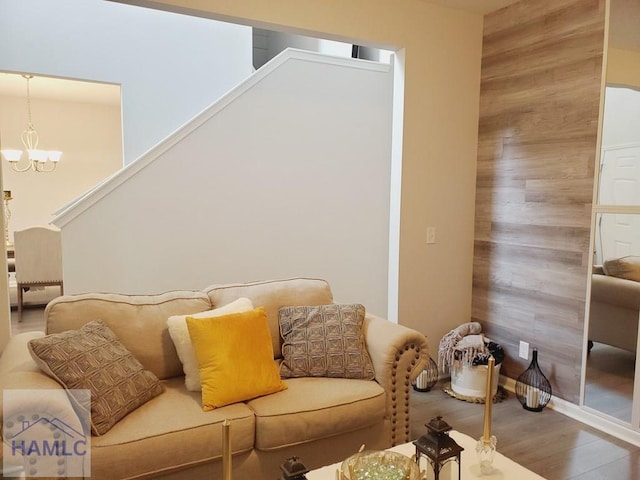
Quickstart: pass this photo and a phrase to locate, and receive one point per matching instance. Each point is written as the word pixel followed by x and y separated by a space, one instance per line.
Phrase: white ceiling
pixel 624 33
pixel 70 90
pixel 12 84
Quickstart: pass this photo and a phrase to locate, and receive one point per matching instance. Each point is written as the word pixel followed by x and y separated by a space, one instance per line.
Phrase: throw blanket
pixel 461 344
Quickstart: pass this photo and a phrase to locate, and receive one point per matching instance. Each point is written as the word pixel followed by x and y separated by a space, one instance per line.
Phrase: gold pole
pixel 486 437
pixel 226 450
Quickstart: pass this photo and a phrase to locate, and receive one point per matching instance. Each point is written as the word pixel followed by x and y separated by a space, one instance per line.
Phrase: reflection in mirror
pixel 620 157
pixel 614 307
pixel 614 313
pixel 617 235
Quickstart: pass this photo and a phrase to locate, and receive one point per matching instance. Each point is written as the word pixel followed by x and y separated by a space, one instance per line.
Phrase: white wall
pixel 623 67
pixel 150 53
pixel 290 178
pixel 621 120
pixel 90 137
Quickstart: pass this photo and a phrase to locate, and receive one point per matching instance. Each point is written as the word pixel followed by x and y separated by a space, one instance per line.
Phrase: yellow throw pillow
pixel 235 356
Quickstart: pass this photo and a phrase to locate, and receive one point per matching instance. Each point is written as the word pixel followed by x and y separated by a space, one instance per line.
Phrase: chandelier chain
pixel 30 122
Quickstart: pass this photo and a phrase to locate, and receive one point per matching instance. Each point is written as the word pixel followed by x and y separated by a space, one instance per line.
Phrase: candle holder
pixel 486 449
pixel 428 378
pixel 532 387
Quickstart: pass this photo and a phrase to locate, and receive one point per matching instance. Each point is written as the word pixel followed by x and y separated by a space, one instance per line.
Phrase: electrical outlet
pixel 431 235
pixel 524 350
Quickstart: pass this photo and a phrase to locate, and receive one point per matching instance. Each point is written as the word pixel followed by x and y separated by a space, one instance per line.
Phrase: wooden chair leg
pixel 19 303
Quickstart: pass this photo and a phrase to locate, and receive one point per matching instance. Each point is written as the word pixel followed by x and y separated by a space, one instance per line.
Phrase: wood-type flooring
pixel 548 443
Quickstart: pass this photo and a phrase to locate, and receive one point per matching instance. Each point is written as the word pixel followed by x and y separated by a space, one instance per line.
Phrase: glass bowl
pixel 380 465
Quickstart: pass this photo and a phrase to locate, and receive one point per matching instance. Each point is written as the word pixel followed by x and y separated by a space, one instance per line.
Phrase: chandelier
pixel 38 160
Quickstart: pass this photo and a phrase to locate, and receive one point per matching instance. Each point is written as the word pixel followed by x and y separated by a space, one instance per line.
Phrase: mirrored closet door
pixel 612 371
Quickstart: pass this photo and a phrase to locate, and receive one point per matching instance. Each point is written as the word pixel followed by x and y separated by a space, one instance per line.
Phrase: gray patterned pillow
pixel 626 267
pixel 324 341
pixel 93 358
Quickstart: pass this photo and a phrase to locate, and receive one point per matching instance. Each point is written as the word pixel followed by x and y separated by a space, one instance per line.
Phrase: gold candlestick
pixel 7 216
pixel 226 450
pixel 486 446
pixel 488 402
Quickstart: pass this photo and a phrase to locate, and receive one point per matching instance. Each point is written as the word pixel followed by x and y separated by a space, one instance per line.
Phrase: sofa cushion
pixel 180 335
pixel 139 322
pixel 324 341
pixel 273 294
pixel 170 432
pixel 316 407
pixel 92 358
pixel 624 267
pixel 235 357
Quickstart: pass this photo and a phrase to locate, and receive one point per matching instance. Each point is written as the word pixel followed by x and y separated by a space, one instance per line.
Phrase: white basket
pixel 471 381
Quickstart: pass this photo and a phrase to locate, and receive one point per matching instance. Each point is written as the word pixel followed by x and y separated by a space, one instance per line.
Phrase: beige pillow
pixel 93 358
pixel 180 335
pixel 624 267
pixel 324 341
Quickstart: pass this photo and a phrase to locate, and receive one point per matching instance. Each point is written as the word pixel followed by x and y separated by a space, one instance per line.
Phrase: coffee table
pixel 504 468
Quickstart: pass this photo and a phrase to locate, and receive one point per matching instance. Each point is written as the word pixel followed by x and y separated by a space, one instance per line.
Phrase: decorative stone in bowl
pixel 379 465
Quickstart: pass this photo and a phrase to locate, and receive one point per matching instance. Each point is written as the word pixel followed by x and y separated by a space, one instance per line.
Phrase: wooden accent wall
pixel 539 102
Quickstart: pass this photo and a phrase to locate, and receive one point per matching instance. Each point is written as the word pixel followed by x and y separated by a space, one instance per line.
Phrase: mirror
pixel 614 312
pixel 614 309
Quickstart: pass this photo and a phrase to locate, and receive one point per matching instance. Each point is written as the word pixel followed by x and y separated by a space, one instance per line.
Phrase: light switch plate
pixel 524 350
pixel 431 235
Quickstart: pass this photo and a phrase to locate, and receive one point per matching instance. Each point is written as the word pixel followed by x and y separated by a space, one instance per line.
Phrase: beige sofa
pixel 321 420
pixel 614 310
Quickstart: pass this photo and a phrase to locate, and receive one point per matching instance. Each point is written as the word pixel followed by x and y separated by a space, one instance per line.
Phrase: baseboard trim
pixel 608 425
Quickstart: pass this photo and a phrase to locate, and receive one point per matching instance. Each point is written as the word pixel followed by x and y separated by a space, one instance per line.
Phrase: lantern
pixel 438 446
pixel 293 469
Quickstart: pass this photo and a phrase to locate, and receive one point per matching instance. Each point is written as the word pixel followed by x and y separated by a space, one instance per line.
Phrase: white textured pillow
pixel 180 335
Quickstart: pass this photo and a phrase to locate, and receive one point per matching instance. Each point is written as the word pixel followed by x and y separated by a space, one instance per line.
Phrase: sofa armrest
pixel 615 291
pixel 398 354
pixel 15 356
pixel 19 372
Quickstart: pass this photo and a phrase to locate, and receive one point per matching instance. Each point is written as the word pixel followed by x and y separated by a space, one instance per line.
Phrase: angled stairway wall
pixel 287 175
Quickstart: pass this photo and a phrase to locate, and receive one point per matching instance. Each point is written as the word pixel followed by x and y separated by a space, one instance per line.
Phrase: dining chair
pixel 38 256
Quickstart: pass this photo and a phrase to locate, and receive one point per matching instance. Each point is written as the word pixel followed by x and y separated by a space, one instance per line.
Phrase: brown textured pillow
pixel 324 341
pixel 93 358
pixel 624 267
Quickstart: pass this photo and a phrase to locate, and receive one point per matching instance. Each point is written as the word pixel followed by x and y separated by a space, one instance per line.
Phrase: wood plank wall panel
pixel 539 101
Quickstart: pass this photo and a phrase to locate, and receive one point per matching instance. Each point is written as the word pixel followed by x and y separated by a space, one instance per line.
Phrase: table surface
pixel 503 467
